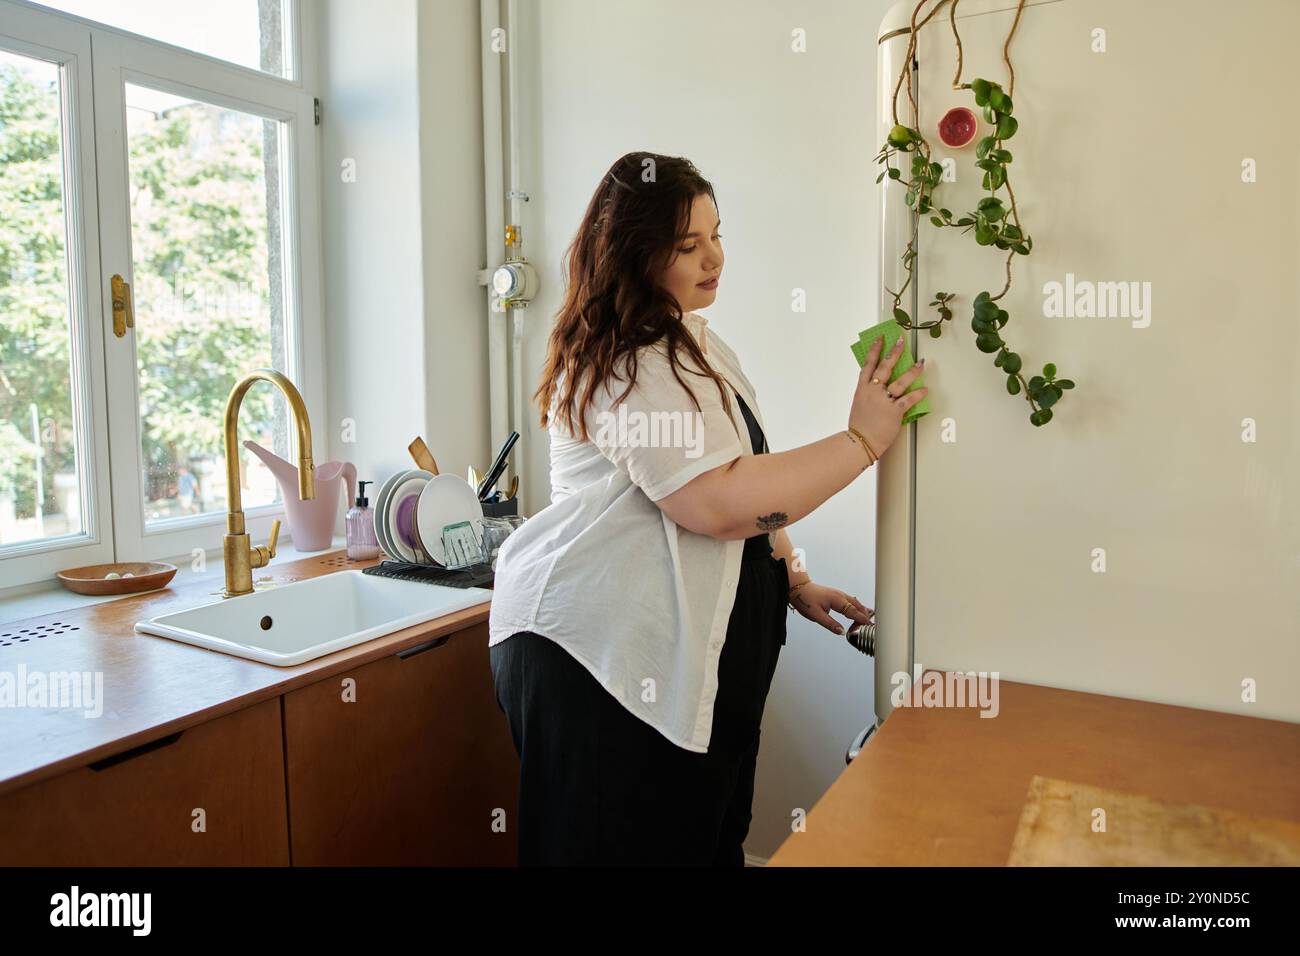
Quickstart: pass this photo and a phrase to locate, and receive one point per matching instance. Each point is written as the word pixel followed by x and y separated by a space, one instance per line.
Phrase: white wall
pixel 451 205
pixel 405 317
pixel 788 141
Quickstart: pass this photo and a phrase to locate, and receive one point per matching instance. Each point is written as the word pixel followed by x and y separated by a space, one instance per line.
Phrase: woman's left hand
pixel 816 601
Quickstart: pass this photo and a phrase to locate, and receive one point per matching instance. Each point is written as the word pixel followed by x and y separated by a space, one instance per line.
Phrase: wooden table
pixel 945 787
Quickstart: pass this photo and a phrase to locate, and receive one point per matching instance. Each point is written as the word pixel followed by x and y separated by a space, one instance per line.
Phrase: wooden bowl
pixel 146 576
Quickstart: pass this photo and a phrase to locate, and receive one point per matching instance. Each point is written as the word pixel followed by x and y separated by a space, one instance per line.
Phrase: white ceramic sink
pixel 293 623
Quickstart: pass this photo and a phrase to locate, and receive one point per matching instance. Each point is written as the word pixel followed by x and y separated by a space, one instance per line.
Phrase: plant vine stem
pixel 923 147
pixel 1025 385
pixel 1007 286
pixel 1006 48
pixel 911 52
pixel 898 296
pixel 952 19
pixel 1015 216
pixel 898 299
pixel 923 150
pixel 1006 180
pixel 1011 193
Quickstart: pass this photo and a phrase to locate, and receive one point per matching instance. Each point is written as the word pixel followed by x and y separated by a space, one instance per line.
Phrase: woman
pixel 636 621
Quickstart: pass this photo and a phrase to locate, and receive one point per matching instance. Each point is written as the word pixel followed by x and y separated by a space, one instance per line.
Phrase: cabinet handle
pixel 426 646
pixel 136 751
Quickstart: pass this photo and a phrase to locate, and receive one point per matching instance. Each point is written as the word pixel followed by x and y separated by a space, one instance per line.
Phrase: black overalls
pixel 598 785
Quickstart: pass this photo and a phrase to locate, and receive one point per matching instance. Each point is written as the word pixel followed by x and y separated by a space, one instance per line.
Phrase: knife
pixel 498 466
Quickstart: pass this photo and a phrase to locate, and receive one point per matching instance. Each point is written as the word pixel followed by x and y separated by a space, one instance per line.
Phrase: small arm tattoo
pixel 855 442
pixel 777 519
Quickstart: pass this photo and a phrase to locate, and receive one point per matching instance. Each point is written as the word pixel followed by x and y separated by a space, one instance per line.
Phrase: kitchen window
pixel 160 157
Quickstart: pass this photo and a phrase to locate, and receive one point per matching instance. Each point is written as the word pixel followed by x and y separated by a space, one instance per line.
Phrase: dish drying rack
pixel 470 576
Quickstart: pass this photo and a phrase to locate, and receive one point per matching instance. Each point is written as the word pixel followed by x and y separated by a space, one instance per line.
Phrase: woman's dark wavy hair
pixel 614 301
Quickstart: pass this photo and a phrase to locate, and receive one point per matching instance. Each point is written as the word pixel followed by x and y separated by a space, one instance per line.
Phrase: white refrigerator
pixel 1145 542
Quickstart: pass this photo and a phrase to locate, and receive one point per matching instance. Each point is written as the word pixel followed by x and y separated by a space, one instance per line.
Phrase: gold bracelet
pixel 790 594
pixel 861 440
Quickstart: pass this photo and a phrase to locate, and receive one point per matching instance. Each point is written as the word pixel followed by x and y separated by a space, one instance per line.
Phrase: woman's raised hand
pixel 877 411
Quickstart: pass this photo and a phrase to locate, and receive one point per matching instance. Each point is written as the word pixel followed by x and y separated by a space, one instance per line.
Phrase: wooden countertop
pixel 944 786
pixel 154 686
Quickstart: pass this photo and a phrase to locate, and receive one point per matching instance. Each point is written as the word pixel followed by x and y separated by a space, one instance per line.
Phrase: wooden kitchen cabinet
pixel 138 808
pixel 410 773
pixel 406 760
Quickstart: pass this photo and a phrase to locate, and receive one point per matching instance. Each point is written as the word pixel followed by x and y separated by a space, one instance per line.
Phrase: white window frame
pixel 105 58
pixel 68 46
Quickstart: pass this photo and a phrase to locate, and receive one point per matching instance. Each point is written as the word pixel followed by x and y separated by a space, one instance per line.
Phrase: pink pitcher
pixel 311 523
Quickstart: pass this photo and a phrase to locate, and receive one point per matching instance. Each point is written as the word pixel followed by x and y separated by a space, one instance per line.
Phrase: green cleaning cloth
pixel 891 330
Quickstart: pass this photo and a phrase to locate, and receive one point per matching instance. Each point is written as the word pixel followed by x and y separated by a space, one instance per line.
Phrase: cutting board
pixel 1057 829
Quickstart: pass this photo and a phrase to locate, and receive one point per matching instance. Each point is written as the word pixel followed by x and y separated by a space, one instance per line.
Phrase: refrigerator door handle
pixel 863 638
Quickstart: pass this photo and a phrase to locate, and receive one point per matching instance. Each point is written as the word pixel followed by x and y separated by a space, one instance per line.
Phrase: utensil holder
pixel 500 509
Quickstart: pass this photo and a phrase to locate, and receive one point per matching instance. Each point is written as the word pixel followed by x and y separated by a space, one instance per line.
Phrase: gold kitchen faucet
pixel 240 556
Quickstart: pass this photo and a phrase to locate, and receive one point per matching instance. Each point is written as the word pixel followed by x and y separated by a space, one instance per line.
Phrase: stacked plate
pixel 413 508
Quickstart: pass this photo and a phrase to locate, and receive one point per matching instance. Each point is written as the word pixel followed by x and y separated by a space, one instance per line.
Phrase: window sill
pixel 31 601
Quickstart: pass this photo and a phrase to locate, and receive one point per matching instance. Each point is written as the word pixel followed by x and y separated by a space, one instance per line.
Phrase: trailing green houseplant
pixel 995 220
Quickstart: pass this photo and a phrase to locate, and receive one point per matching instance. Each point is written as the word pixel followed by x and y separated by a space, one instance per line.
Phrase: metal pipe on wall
pixel 504 201
pixel 519 401
pixel 494 211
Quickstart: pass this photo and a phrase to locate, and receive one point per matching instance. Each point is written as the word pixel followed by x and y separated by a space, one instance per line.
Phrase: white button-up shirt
pixel 641 603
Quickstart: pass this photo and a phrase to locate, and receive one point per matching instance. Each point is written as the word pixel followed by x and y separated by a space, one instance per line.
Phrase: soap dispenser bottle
pixel 362 543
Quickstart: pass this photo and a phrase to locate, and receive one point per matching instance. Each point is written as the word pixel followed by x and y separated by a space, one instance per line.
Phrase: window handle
pixel 123 309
